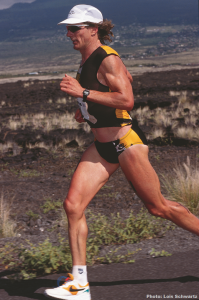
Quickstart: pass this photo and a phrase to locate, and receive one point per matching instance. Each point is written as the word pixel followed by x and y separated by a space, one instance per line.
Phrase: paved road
pixel 164 277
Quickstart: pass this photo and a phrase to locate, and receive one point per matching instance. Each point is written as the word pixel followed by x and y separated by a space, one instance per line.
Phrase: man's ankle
pixel 80 274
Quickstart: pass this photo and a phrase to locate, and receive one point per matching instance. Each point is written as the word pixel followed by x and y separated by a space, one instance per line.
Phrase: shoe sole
pixel 78 297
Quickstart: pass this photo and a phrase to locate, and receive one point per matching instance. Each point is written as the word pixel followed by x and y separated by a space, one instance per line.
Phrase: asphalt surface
pixel 174 277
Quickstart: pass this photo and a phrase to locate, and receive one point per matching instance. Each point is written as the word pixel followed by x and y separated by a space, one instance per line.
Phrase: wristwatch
pixel 85 94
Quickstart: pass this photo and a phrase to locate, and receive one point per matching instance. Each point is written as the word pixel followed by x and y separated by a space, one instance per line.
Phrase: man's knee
pixel 72 207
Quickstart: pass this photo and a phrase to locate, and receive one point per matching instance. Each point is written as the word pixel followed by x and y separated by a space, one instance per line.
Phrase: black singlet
pixel 98 115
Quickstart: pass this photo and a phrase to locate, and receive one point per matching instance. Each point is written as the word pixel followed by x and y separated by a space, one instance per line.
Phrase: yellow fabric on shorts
pixel 130 138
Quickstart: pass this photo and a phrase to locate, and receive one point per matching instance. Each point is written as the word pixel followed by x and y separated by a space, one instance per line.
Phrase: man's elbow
pixel 130 104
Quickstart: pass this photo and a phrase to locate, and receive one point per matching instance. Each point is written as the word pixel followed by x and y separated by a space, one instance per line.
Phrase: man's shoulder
pixel 109 50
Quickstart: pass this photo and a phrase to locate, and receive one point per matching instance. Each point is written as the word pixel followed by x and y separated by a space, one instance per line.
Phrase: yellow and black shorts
pixel 111 150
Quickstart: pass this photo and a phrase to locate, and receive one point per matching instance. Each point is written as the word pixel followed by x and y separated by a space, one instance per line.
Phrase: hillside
pixel 25 20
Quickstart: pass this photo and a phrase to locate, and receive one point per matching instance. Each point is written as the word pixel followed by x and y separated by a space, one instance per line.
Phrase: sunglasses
pixel 73 28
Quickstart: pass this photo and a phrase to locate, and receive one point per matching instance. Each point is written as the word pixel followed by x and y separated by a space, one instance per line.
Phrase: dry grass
pixel 7 226
pixel 44 122
pixel 61 145
pixel 47 123
pixel 156 133
pixel 65 141
pixel 5 147
pixel 10 146
pixel 183 97
pixel 27 84
pixel 174 93
pixel 184 187
pixel 86 127
pixel 162 119
pixel 189 133
pixel 142 114
pixel 39 145
pixel 172 117
pixel 191 120
pixel 61 100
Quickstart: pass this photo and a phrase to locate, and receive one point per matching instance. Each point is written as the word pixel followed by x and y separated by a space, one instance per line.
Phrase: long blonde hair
pixel 104 30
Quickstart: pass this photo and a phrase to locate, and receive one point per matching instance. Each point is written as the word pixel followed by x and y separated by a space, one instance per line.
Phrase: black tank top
pixel 98 115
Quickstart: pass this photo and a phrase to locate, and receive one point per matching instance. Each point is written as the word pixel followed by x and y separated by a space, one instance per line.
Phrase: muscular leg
pixel 91 174
pixel 138 170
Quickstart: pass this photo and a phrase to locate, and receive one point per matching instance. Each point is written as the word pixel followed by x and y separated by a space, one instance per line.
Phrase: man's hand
pixel 71 86
pixel 78 116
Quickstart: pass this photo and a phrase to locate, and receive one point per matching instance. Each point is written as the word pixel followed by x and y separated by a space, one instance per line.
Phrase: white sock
pixel 80 274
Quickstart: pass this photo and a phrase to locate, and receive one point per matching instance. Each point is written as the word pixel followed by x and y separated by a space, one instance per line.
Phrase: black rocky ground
pixel 33 176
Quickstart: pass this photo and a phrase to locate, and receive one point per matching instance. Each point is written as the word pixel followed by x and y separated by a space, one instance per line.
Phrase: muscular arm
pixel 129 76
pixel 115 76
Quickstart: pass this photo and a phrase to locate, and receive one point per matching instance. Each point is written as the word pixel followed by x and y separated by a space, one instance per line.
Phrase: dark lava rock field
pixel 41 144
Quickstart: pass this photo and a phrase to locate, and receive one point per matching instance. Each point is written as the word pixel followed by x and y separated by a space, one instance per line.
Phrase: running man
pixel 104 93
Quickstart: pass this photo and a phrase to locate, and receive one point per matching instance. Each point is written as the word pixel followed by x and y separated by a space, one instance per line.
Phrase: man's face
pixel 81 38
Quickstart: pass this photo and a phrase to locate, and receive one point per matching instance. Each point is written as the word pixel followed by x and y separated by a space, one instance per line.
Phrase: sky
pixel 8 3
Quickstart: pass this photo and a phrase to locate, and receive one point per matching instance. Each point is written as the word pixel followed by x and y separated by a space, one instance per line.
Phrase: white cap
pixel 83 13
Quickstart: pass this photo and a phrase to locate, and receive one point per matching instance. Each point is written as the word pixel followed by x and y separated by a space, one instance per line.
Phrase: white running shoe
pixel 70 290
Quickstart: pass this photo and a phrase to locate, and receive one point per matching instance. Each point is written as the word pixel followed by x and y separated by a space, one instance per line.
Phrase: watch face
pixel 86 92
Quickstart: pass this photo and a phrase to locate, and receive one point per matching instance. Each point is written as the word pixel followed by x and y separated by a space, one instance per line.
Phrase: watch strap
pixel 85 94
